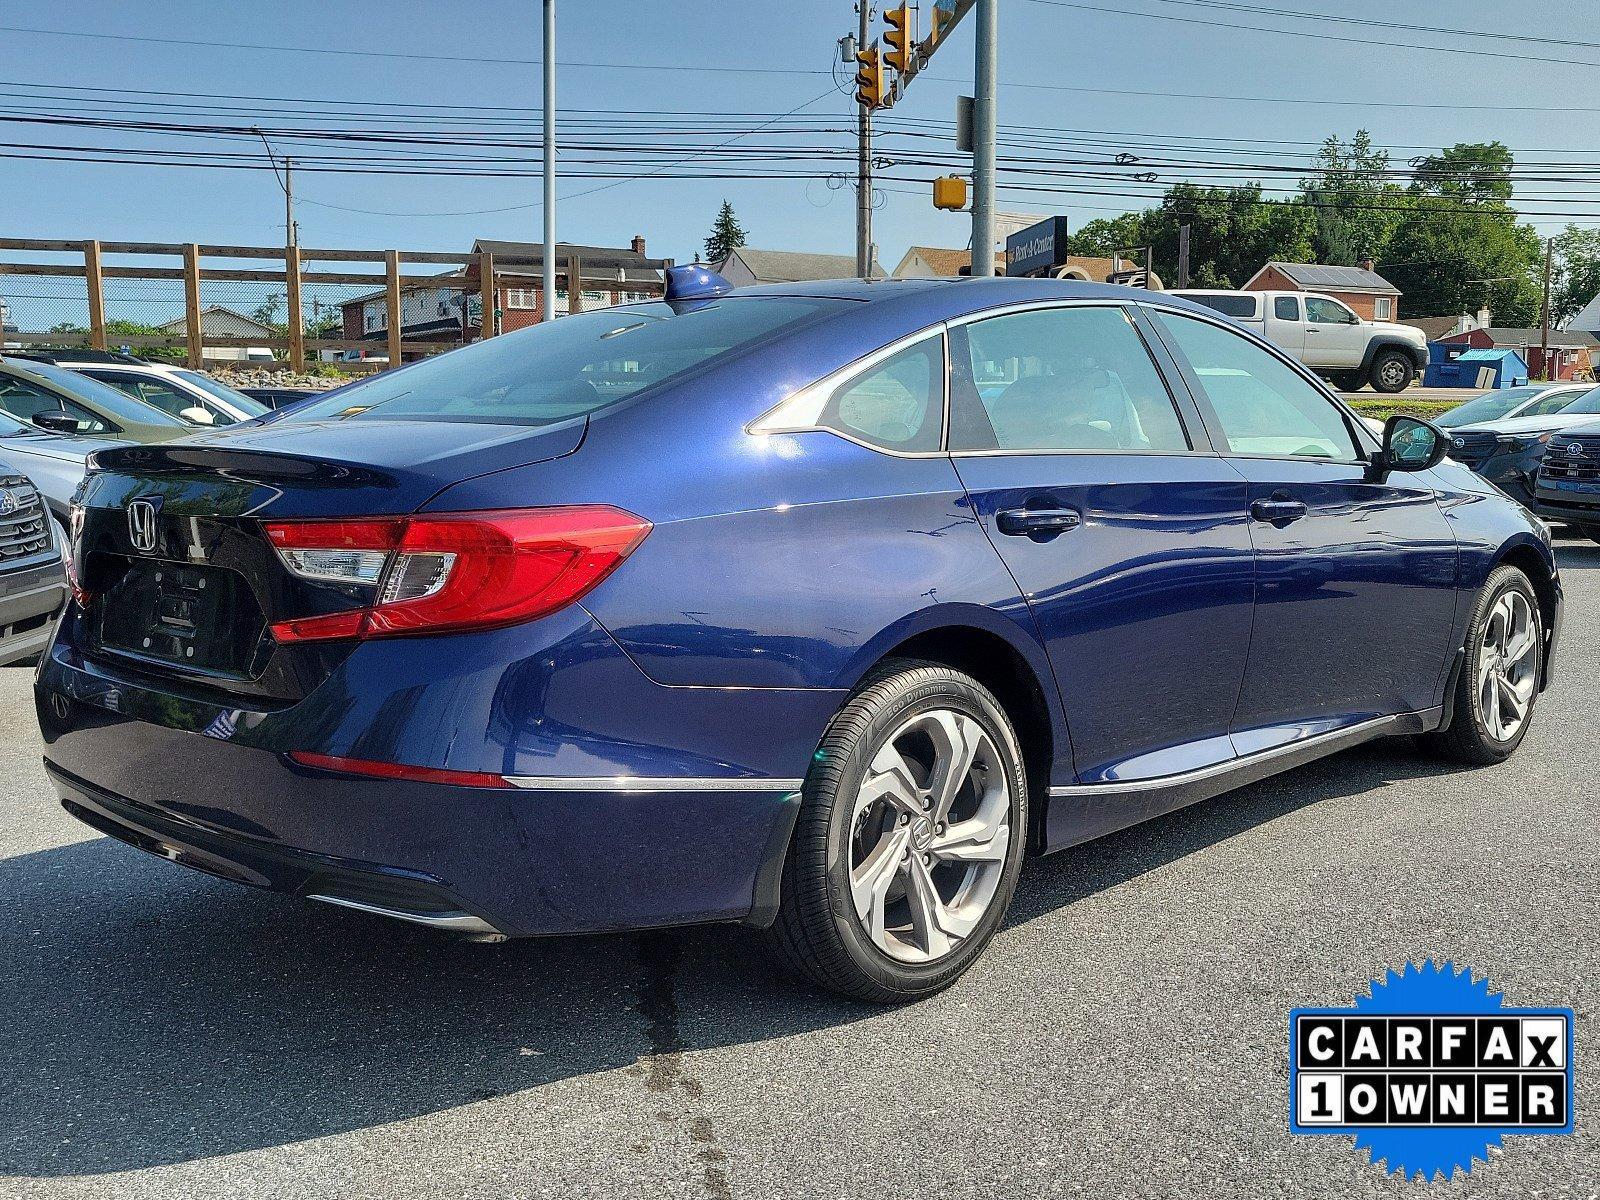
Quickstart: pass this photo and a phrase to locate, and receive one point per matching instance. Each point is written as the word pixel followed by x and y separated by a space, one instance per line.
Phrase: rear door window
pixel 1232 306
pixel 1070 378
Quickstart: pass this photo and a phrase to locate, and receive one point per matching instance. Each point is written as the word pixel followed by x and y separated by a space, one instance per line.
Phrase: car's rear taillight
pixel 450 572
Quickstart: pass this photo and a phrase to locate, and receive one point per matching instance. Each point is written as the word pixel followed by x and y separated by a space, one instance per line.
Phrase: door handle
pixel 1036 522
pixel 1277 510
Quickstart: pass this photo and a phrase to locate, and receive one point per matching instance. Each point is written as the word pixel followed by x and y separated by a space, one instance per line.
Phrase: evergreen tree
pixel 726 236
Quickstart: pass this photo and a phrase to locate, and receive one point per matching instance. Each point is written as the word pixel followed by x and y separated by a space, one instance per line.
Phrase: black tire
pixel 1592 532
pixel 817 931
pixel 1468 738
pixel 1391 371
pixel 1347 381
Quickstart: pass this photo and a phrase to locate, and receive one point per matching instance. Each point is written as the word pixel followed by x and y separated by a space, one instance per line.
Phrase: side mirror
pixel 56 422
pixel 1412 444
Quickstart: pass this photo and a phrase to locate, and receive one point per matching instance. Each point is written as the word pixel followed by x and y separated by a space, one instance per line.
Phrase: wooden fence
pixel 200 263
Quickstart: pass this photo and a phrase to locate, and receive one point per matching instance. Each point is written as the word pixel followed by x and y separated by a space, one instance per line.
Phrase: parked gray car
pixel 53 462
pixel 33 582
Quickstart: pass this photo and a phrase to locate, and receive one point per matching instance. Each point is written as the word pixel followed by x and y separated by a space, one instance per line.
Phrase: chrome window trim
pixel 770 422
pixel 1353 422
pixel 653 783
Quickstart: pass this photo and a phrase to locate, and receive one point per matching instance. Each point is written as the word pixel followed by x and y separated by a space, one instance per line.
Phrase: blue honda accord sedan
pixel 816 607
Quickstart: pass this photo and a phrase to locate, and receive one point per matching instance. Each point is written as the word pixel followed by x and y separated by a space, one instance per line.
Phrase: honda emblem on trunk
pixel 142 525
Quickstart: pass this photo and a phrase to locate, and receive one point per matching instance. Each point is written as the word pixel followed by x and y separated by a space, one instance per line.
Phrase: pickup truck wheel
pixel 1347 381
pixel 1392 371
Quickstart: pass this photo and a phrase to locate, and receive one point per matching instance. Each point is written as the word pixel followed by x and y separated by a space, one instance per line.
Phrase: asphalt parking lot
pixel 166 1034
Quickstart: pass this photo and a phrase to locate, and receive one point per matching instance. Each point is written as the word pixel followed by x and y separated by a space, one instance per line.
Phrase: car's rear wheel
pixel 910 838
pixel 1498 685
pixel 1392 371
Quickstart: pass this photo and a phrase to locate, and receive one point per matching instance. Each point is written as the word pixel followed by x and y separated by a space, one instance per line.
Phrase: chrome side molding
pixel 652 783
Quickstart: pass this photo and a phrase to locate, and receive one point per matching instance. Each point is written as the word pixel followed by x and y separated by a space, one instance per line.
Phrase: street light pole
pixel 985 67
pixel 548 277
pixel 864 159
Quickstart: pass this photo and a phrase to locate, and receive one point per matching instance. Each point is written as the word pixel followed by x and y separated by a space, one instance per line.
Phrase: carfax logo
pixel 1430 1070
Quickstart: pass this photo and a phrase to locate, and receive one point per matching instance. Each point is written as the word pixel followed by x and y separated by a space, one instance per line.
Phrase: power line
pixel 476 59
pixel 1304 33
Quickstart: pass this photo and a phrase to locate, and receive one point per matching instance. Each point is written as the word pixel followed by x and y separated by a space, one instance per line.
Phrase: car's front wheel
pixel 1498 684
pixel 910 838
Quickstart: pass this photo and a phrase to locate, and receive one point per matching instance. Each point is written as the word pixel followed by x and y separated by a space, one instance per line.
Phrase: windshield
pixel 571 366
pixel 10 426
pixel 1584 405
pixel 238 401
pixel 1490 407
pixel 118 405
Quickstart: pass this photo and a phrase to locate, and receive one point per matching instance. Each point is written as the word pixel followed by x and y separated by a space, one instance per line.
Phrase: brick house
pixel 1369 295
pixel 448 306
pixel 1571 351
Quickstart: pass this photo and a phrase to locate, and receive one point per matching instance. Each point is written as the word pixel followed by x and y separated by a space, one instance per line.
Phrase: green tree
pixel 1460 245
pixel 726 235
pixel 1577 255
pixel 1353 200
pixel 1478 172
pixel 267 311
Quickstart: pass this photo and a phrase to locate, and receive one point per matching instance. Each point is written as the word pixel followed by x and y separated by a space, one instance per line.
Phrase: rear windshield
pixel 117 405
pixel 571 366
pixel 1232 306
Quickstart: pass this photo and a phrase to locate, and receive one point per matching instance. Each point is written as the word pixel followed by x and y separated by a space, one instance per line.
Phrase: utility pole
pixel 985 67
pixel 1544 309
pixel 1183 255
pixel 863 156
pixel 291 232
pixel 548 276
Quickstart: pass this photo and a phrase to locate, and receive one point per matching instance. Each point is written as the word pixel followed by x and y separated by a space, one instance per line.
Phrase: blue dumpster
pixel 1451 365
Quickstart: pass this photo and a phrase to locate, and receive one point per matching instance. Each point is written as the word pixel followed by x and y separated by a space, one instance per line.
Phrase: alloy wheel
pixel 1508 662
pixel 1392 373
pixel 928 835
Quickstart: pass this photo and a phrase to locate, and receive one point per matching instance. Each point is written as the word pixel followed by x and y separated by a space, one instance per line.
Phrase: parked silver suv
pixel 33 582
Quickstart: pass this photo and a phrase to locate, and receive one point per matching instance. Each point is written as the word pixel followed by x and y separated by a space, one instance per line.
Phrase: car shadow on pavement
pixel 155 1016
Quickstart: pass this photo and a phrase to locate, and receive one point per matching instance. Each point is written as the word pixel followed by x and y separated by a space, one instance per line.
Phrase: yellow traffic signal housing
pixel 869 77
pixel 898 37
pixel 937 25
pixel 950 191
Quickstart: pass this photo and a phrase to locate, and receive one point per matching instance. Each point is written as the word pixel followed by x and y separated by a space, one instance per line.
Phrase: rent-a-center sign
pixel 1039 249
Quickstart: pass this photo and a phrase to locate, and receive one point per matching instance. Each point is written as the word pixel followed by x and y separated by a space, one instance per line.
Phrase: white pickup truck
pixel 1327 336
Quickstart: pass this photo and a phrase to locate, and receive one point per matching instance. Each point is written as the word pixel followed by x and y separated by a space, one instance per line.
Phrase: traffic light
pixel 898 37
pixel 938 24
pixel 869 77
pixel 950 192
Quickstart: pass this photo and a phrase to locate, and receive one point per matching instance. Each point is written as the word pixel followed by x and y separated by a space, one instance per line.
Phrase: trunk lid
pixel 183 583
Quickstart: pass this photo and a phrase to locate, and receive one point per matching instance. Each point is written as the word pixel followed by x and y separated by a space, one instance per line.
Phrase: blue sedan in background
pixel 817 607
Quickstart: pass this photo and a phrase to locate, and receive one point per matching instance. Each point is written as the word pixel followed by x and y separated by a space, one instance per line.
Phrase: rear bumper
pixel 511 861
pixel 635 806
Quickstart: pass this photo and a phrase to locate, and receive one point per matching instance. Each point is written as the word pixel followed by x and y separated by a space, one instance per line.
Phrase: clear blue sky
pixel 1041 45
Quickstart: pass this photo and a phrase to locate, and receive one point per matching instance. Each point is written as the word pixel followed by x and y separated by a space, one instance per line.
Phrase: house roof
pixel 1434 328
pixel 1322 277
pixel 796 266
pixel 217 321
pixel 1564 338
pixel 947 263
